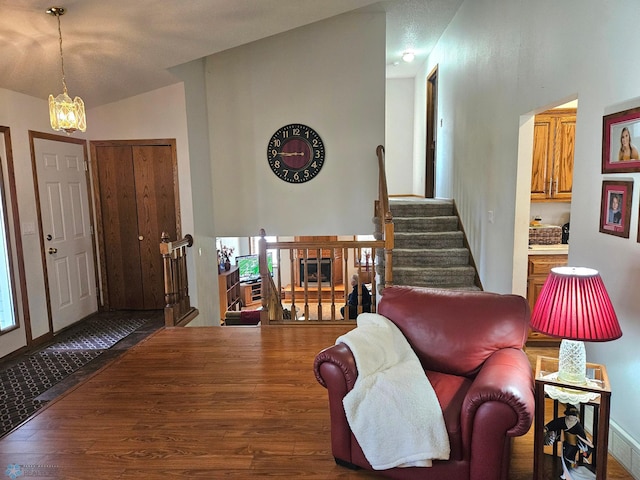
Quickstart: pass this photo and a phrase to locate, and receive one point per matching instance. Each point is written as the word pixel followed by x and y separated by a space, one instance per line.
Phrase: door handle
pixel 52 250
pixel 140 237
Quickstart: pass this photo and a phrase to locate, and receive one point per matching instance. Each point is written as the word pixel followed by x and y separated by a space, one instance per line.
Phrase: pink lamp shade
pixel 574 305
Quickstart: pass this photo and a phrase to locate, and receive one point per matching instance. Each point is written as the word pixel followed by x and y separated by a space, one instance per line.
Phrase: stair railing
pixel 178 311
pixel 302 292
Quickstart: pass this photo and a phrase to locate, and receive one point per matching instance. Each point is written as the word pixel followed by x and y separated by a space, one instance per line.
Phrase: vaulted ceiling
pixel 114 49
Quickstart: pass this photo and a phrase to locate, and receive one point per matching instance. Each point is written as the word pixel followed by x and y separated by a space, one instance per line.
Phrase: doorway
pixel 529 204
pixel 66 231
pixel 136 197
pixel 432 127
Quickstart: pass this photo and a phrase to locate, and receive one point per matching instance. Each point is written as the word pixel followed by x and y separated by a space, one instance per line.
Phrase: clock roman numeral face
pixel 295 153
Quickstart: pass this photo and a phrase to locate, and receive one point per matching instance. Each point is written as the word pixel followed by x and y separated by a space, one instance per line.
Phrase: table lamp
pixel 575 306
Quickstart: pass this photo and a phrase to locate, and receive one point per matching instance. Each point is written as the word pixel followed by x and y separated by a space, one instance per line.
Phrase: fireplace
pixel 312 271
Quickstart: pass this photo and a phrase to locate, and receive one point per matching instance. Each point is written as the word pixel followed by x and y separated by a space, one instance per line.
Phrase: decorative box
pixel 545 235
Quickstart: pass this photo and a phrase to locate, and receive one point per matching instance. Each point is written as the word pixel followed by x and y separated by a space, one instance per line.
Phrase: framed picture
pixel 621 142
pixel 615 209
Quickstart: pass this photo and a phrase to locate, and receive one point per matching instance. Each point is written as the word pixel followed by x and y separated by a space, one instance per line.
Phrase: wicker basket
pixel 545 235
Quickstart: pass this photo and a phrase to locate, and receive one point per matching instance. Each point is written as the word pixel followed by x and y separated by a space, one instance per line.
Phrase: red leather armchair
pixel 470 346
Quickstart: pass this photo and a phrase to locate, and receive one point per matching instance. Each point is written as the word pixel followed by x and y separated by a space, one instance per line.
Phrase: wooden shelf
pixel 229 291
pixel 251 293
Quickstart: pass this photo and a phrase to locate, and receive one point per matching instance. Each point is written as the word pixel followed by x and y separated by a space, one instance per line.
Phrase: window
pixel 255 248
pixel 8 285
pixel 7 308
pixel 366 254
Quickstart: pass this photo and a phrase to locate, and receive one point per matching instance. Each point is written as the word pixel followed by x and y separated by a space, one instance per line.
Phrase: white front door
pixel 66 230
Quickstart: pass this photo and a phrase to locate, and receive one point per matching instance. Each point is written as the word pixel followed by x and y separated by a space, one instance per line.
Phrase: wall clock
pixel 295 153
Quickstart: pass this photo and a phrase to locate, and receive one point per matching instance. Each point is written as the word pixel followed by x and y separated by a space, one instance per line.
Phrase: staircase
pixel 429 246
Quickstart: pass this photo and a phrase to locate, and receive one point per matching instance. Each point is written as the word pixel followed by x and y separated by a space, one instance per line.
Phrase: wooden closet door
pixel 119 228
pixel 137 200
pixel 155 205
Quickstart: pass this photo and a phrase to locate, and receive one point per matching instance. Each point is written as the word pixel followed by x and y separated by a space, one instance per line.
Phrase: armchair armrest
pixel 505 377
pixel 499 404
pixel 335 362
pixel 335 369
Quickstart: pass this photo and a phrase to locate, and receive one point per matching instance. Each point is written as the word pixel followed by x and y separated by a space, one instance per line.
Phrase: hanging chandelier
pixel 64 113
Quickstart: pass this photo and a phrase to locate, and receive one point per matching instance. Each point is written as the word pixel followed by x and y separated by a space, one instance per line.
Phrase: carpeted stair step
pixel 430 257
pixel 429 240
pixel 425 224
pixel 429 246
pixel 421 208
pixel 438 277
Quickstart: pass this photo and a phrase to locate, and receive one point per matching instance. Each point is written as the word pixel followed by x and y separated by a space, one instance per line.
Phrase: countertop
pixel 557 249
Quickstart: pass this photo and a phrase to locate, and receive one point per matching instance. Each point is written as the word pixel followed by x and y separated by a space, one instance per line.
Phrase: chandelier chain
pixel 64 83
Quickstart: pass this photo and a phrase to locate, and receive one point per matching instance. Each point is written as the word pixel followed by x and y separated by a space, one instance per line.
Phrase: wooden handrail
pixel 178 310
pixel 385 218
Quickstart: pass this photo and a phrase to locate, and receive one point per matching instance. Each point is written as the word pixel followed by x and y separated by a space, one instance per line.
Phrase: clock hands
pixel 292 154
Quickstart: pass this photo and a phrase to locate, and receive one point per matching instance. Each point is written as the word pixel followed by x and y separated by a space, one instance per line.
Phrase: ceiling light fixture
pixel 64 113
pixel 408 56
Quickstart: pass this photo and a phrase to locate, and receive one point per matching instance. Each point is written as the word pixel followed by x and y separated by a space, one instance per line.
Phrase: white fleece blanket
pixel 392 410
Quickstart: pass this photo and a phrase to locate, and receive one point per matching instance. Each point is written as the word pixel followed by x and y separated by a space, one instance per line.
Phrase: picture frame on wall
pixel 621 142
pixel 615 209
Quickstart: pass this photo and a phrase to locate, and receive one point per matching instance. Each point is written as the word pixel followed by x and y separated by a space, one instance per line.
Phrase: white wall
pixel 503 60
pixel 399 137
pixel 22 113
pixel 330 76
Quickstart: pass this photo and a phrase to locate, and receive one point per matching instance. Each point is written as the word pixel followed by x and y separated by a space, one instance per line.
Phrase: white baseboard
pixel 624 449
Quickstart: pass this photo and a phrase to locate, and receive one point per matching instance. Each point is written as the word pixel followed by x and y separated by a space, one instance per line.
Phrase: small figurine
pixel 575 444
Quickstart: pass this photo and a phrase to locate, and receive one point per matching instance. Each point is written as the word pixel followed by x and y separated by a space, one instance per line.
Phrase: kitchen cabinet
pixel 553 148
pixel 538 269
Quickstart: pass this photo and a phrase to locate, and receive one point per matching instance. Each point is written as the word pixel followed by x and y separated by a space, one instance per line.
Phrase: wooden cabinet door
pixel 135 196
pixel 553 151
pixel 565 134
pixel 542 157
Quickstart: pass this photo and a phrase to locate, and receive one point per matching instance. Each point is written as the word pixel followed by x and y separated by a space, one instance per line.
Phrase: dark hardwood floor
pixel 228 402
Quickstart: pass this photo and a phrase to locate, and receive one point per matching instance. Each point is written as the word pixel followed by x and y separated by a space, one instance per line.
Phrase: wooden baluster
pixel 305 277
pixel 182 278
pixel 333 284
pixel 165 250
pixel 292 267
pixel 319 258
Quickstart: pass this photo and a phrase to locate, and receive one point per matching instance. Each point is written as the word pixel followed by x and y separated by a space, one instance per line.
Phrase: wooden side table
pixel 597 393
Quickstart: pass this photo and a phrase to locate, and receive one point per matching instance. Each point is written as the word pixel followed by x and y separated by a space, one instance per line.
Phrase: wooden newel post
pixel 178 310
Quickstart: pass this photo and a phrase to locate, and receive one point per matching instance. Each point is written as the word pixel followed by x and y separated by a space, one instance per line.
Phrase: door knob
pixel 52 250
pixel 140 237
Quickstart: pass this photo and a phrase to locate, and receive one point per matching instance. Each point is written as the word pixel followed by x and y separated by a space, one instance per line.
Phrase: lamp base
pixel 572 362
